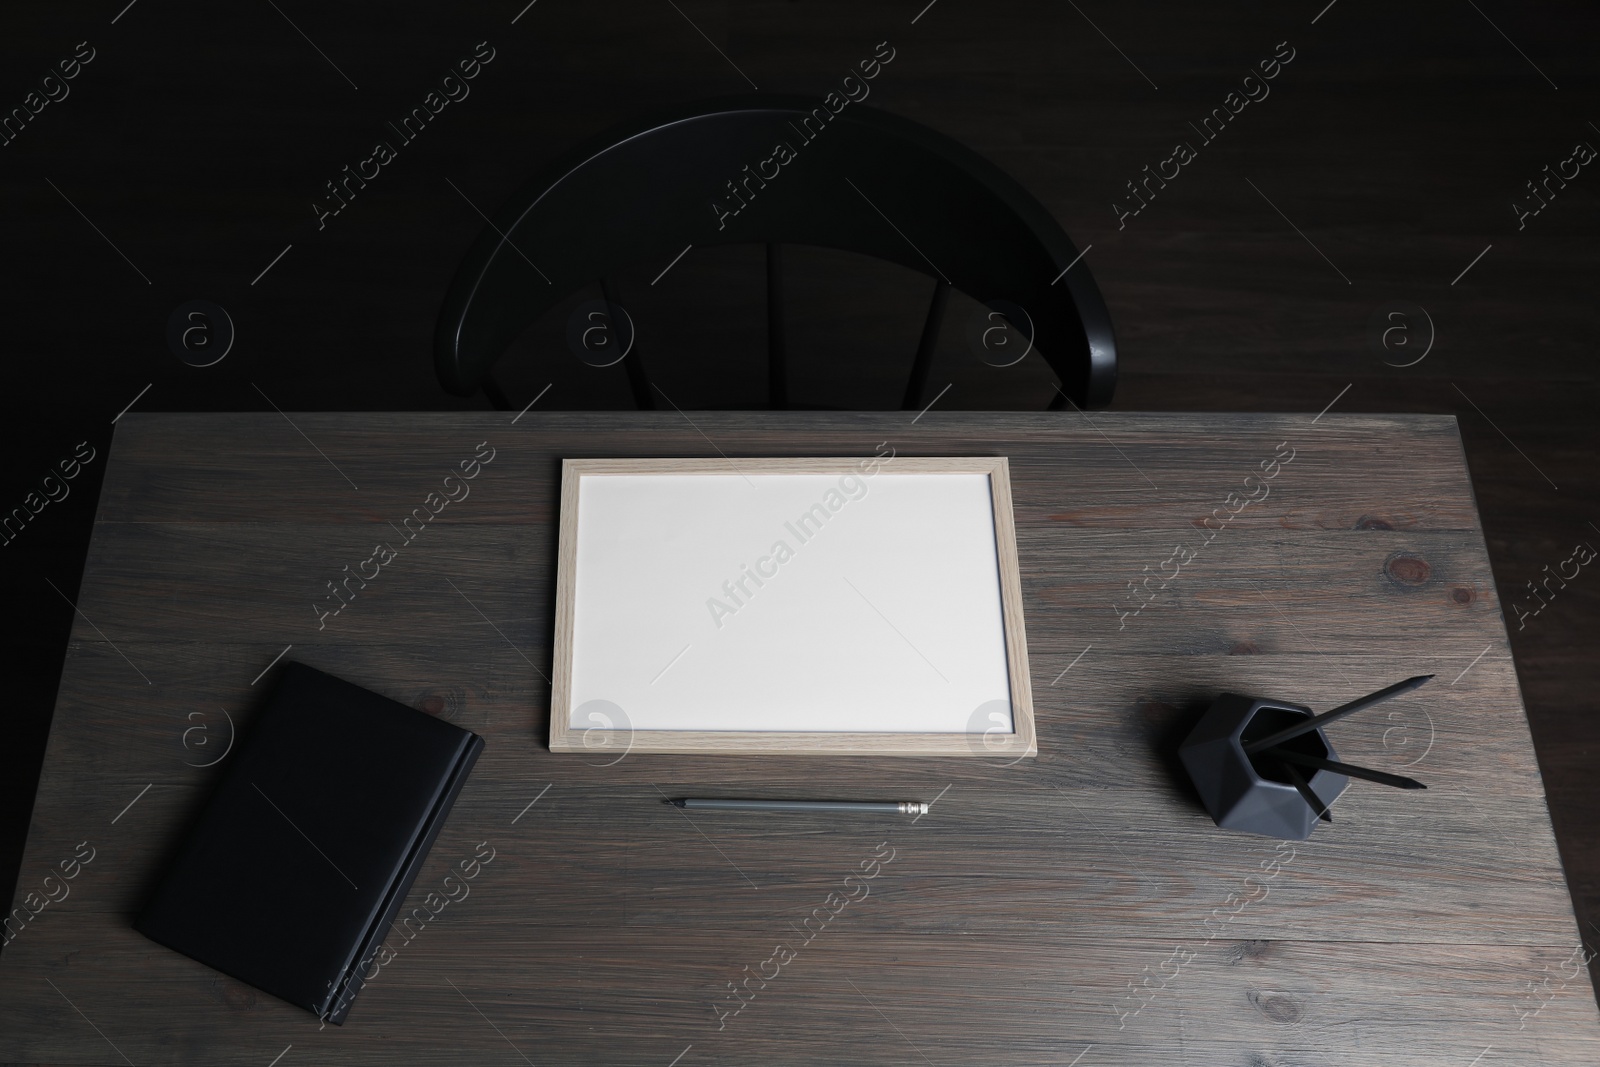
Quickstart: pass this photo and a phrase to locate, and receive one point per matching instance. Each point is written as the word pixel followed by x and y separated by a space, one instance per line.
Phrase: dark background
pixel 190 150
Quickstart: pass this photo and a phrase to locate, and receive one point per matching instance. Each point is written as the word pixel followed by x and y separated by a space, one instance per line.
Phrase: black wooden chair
pixel 861 180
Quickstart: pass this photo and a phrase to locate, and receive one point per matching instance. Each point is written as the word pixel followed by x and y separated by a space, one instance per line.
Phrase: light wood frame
pixel 1019 743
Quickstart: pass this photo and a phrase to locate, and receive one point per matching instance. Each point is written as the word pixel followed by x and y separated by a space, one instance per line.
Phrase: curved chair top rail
pixel 785 170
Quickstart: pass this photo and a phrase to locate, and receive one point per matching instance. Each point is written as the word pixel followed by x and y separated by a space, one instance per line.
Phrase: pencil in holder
pixel 1257 793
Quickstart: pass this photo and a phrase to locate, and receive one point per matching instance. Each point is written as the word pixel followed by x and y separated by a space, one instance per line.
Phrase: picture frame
pixel 611 605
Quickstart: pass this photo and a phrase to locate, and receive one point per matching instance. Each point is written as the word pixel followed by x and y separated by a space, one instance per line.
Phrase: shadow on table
pixel 1165 725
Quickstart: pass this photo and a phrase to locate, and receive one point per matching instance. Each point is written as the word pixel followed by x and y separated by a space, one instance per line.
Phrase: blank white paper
pixel 859 603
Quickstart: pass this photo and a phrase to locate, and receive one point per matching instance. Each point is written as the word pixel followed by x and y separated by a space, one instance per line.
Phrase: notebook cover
pixel 312 839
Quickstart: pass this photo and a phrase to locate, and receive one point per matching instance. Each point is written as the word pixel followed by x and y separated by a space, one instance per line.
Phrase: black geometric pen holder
pixel 1255 793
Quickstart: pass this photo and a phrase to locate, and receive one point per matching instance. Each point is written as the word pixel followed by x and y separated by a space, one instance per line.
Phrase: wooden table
pixel 1078 908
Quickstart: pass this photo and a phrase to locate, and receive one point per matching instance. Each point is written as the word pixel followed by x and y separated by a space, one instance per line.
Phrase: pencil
pixel 881 807
pixel 1361 704
pixel 1305 790
pixel 1382 778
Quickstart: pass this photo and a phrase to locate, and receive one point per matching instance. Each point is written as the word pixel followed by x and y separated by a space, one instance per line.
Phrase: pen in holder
pixel 1266 767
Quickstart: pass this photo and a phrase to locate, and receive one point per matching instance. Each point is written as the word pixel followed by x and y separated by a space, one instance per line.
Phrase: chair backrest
pixel 776 170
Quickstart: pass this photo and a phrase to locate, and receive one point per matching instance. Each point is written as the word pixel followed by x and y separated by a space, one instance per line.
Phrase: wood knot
pixel 447 702
pixel 1248 950
pixel 1245 648
pixel 1461 595
pixel 1153 710
pixel 1279 1007
pixel 237 995
pixel 1406 569
pixel 1372 522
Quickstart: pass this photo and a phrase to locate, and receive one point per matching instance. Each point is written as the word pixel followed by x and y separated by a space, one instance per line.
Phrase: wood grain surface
pixel 1076 908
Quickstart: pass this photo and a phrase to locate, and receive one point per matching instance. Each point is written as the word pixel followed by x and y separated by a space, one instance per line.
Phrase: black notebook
pixel 306 850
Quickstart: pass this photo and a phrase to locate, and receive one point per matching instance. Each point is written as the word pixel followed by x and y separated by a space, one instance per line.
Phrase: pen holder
pixel 1252 793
